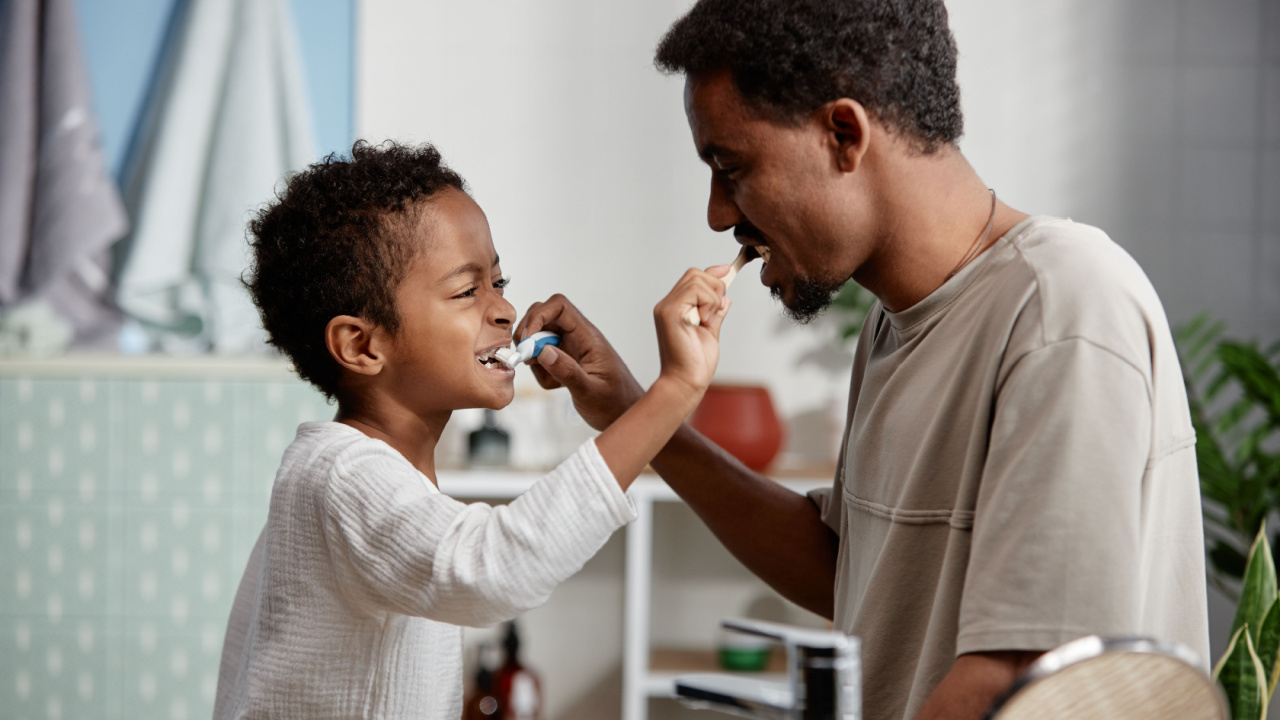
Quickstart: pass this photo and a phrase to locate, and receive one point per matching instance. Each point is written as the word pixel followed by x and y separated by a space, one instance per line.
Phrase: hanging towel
pixel 227 120
pixel 59 210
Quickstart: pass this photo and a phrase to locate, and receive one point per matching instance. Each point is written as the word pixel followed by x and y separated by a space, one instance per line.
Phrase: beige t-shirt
pixel 1019 468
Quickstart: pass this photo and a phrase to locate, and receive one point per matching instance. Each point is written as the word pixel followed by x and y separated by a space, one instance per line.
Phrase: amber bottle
pixel 519 688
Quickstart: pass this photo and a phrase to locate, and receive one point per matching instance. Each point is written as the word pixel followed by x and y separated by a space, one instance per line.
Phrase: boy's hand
pixel 689 353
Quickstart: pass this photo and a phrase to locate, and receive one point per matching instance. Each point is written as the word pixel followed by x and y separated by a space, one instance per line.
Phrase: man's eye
pixel 502 283
pixel 466 294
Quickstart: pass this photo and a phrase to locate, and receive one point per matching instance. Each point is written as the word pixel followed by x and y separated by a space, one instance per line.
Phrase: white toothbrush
pixel 745 255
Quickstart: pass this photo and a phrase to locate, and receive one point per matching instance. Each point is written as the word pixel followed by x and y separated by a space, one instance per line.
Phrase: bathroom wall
pixel 1157 120
pixel 128 505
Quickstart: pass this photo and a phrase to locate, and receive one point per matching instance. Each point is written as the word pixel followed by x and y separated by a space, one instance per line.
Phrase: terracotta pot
pixel 740 419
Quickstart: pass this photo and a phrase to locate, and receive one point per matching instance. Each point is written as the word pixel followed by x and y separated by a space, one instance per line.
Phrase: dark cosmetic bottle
pixel 489 445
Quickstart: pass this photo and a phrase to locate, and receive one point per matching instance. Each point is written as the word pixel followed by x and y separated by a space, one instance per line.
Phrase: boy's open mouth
pixel 489 358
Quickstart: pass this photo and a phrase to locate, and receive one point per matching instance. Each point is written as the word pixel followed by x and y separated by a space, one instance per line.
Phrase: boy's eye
pixel 497 285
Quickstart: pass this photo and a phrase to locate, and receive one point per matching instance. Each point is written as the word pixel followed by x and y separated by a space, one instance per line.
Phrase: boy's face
pixel 451 309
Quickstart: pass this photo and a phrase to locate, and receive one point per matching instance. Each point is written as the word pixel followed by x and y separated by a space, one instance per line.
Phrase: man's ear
pixel 850 131
pixel 356 344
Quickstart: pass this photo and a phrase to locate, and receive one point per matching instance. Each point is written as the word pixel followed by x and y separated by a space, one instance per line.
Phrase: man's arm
pixel 778 534
pixel 973 683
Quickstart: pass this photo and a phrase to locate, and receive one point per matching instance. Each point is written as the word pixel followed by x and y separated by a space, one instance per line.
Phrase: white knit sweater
pixel 354 596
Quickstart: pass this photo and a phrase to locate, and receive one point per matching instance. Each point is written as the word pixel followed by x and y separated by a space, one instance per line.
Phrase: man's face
pixel 775 185
pixel 452 312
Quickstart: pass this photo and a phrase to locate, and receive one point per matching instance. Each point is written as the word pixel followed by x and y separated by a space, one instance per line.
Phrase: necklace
pixel 982 239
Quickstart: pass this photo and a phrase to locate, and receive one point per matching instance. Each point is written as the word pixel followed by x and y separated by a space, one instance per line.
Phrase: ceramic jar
pixel 740 419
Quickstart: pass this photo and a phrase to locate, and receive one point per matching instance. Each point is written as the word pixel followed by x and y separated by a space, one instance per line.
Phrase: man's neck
pixel 934 211
pixel 412 436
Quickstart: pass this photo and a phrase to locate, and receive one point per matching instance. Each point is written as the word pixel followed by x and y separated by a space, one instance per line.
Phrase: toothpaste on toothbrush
pixel 528 348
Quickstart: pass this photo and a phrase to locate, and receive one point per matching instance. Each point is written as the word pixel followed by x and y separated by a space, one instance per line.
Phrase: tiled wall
pixel 127 509
pixel 1156 120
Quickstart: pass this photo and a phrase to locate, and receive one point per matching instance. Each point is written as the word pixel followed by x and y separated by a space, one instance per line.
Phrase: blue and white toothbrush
pixel 527 349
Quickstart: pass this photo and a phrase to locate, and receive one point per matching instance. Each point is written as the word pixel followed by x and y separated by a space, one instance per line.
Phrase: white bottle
pixel 524 700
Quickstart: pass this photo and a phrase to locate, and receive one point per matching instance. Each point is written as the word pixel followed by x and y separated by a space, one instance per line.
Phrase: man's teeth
pixel 487 357
pixel 764 253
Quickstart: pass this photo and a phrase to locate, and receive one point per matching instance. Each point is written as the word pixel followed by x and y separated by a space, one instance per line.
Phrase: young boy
pixel 378 278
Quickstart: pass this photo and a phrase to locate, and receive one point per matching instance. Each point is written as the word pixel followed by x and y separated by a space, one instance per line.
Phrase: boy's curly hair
pixel 789 57
pixel 334 243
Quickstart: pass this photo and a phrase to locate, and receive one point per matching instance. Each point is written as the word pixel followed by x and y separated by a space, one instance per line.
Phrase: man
pixel 1018 467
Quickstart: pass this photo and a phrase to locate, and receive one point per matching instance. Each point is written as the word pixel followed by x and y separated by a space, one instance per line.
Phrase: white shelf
pixel 639 681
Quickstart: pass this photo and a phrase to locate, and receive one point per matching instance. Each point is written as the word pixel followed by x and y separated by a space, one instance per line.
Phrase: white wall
pixel 1158 120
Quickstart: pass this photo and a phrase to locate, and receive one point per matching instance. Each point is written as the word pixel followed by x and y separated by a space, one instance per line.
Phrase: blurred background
pixel 142 418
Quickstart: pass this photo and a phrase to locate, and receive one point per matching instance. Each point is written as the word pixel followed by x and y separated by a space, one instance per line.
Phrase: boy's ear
pixel 353 342
pixel 850 129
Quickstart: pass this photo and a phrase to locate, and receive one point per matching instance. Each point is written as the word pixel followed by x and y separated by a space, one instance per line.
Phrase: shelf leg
pixel 635 658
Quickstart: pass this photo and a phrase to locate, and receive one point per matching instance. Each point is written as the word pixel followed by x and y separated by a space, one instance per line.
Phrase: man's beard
pixel 811 297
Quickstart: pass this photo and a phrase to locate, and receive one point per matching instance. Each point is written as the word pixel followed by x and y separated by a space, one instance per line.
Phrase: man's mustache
pixel 746 231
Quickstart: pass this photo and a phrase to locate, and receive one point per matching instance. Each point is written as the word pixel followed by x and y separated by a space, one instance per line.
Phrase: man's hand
pixel 973 684
pixel 585 363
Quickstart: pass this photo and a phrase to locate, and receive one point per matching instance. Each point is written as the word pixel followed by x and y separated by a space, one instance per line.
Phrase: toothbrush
pixel 527 349
pixel 745 255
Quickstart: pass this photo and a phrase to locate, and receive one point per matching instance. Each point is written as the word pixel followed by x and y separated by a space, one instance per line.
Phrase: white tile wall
pixel 1220 103
pixel 1220 30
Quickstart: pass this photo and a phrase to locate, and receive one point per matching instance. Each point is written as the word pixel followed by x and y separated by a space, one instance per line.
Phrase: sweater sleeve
pixel 398 545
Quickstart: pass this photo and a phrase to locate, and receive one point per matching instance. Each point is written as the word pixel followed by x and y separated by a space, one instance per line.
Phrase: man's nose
pixel 722 211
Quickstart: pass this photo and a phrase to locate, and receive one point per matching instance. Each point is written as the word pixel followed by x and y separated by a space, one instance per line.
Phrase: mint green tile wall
pixel 127 510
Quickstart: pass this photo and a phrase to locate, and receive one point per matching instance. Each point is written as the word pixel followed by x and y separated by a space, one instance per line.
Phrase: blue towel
pixel 228 121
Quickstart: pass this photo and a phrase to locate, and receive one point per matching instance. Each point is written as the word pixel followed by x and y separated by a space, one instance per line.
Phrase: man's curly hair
pixel 334 242
pixel 789 57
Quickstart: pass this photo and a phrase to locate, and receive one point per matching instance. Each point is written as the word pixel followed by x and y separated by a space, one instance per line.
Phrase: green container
pixel 744 659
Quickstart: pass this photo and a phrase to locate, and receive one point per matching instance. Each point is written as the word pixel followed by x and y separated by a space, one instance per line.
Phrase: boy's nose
pixel 503 312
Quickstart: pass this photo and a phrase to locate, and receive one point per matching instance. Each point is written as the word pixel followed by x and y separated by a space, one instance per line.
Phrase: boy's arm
pixel 689 354
pixel 399 545
pixel 778 534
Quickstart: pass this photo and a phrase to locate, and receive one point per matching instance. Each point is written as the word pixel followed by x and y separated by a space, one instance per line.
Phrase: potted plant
pixel 1234 392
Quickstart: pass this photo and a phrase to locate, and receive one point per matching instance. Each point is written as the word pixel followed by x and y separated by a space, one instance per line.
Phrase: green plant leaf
pixel 1259 590
pixel 1258 379
pixel 1269 646
pixel 1241 676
